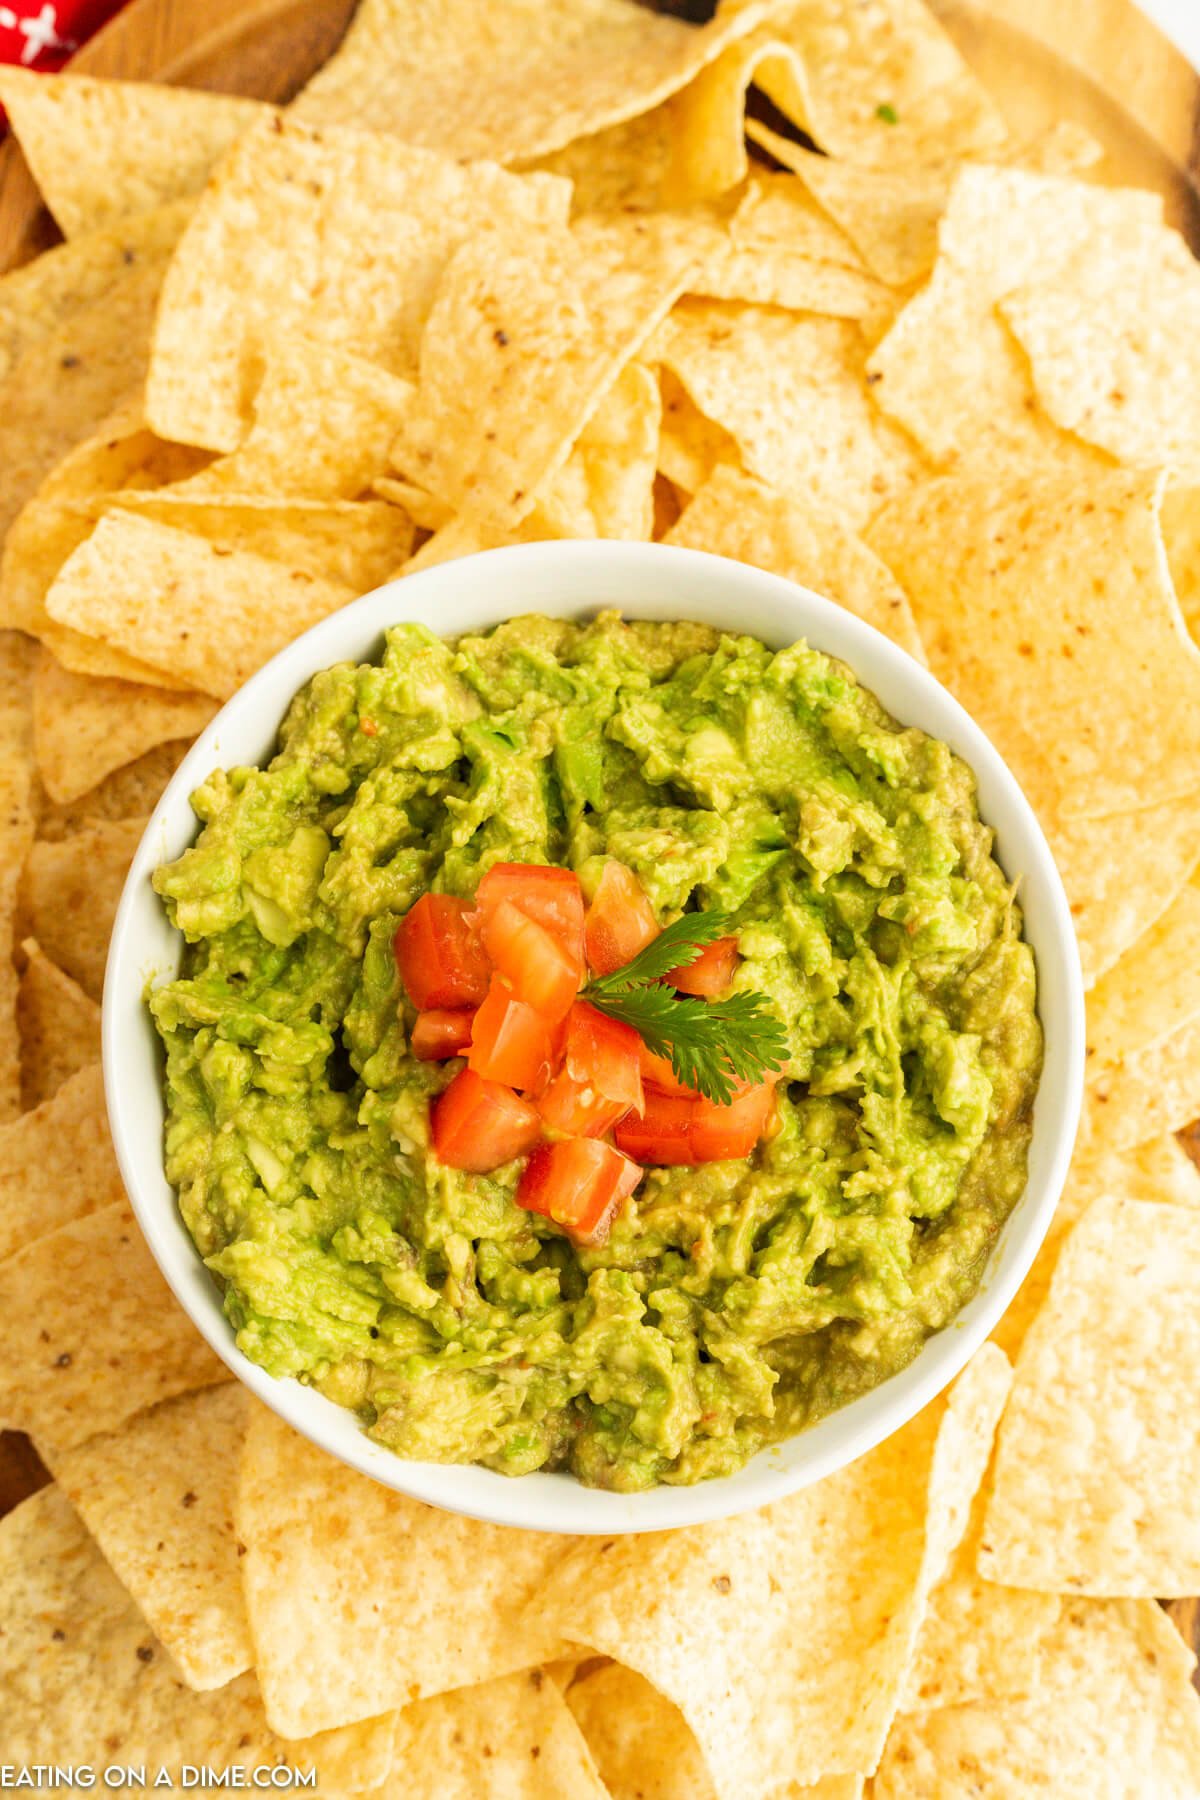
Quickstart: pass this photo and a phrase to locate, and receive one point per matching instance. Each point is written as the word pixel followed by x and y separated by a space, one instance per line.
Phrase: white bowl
pixel 573 580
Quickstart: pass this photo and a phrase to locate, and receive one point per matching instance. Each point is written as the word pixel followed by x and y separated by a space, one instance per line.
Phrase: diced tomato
pixel 620 920
pixel 439 1034
pixel 537 964
pixel 576 1109
pixel 439 954
pixel 719 1132
pixel 551 896
pixel 662 1134
pixel 578 1183
pixel 712 971
pixel 479 1125
pixel 510 1041
pixel 658 1073
pixel 605 1052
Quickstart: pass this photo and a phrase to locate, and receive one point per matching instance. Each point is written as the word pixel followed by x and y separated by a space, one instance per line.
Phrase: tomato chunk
pixel 441 1033
pixel 719 1132
pixel 578 1183
pixel 479 1125
pixel 537 964
pixel 658 1073
pixel 620 920
pixel 712 971
pixel 510 1040
pixel 439 954
pixel 662 1134
pixel 601 1078
pixel 553 897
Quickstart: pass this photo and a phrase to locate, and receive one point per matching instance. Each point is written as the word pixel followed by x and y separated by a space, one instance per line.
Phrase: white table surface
pixel 1180 19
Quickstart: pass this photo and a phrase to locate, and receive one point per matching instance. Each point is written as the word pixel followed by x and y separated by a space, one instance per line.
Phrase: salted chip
pixel 1097 1486
pixel 355 543
pixel 734 515
pixel 70 893
pixel 157 1495
pixel 100 150
pixel 605 488
pixel 131 792
pixel 789 389
pixel 783 1636
pixel 90 1332
pixel 512 1739
pixel 776 216
pixel 57 1162
pixel 211 616
pixel 42 294
pixel 1181 534
pixel 710 115
pixel 340 237
pixel 644 1749
pixel 59 1026
pixel 324 421
pixel 628 167
pixel 880 83
pixel 16 835
pixel 523 341
pixel 84 727
pixel 84 1681
pixel 1034 595
pixel 949 369
pixel 361 1600
pixel 1115 1714
pixel 690 447
pixel 732 271
pixel 531 80
pixel 1157 1171
pixel 1113 341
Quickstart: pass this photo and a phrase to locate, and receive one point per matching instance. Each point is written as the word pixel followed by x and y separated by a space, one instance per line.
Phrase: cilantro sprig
pixel 710 1043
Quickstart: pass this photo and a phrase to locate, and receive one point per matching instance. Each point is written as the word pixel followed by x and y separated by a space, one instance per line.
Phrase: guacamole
pixel 733 1303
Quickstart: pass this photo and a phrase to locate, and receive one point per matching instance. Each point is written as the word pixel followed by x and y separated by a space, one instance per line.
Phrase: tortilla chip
pixel 83 1678
pixel 734 515
pixel 84 727
pixel 1097 1486
pixel 59 1027
pixel 710 116
pixel 776 215
pixel 1115 1714
pixel 361 1600
pixel 1181 534
pixel 324 421
pixel 690 447
pixel 526 82
pixel 789 389
pixel 339 237
pixel 511 1739
pixel 101 150
pixel 426 511
pixel 1157 1171
pixel 16 835
pixel 211 616
pixel 783 1636
pixel 948 369
pixel 644 1749
pixel 627 168
pixel 1113 339
pixel 157 1495
pixel 57 1162
pixel 90 1332
pixel 128 793
pixel 735 272
pixel 524 339
pixel 70 893
pixel 355 543
pixel 605 488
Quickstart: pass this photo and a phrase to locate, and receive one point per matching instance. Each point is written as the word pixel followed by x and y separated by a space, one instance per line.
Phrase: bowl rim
pixel 506 583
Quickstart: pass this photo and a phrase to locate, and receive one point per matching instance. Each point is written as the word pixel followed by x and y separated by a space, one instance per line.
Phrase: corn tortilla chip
pixel 949 370
pixel 57 1162
pixel 523 81
pixel 523 341
pixel 710 116
pixel 210 616
pixel 690 447
pixel 1181 534
pixel 783 1636
pixel 789 389
pixel 16 835
pixel 357 1597
pixel 626 168
pixel 734 515
pixel 511 1739
pixel 776 215
pixel 605 488
pixel 1116 1714
pixel 339 237
pixel 356 543
pixel 157 1495
pixel 85 727
pixel 70 893
pixel 90 1333
pixel 1097 1482
pixel 131 792
pixel 59 1026
pixel 84 1681
pixel 1113 341
pixel 733 271
pixel 101 150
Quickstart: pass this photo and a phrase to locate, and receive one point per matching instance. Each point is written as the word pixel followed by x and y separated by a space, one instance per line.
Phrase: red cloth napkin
pixel 44 34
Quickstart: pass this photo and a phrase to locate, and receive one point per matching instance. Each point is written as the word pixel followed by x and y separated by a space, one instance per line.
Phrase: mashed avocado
pixel 733 1303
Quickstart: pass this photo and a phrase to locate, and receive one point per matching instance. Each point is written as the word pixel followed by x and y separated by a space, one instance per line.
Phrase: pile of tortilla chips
pixel 506 272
